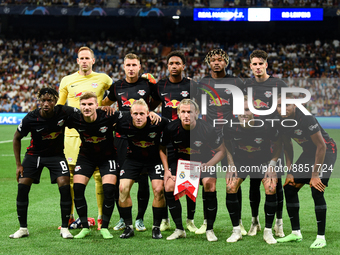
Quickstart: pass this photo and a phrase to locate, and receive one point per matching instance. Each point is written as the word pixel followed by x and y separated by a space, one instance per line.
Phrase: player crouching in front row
pixel 193 139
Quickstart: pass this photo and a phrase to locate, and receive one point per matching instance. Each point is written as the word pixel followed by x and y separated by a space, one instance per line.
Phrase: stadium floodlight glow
pixel 259 14
pixel 175 17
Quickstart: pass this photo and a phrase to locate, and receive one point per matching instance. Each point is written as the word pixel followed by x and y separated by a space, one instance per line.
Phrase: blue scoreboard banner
pixel 258 14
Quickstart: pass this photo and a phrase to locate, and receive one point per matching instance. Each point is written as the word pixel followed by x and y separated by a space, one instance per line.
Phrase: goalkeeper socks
pixel 22 204
pixel 65 204
pixel 80 203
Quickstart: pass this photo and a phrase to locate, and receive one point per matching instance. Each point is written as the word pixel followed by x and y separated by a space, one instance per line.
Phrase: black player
pixel 125 92
pixel 219 102
pixel 170 92
pixel 193 139
pixel 95 128
pixel 262 92
pixel 47 127
pixel 143 153
pixel 250 140
pixel 313 167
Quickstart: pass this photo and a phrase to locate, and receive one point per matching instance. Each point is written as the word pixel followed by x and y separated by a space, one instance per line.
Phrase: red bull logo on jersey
pixel 260 104
pixel 53 135
pixel 128 103
pixel 298 132
pixel 94 85
pixel 185 93
pixel 258 140
pixel 61 123
pixel 300 141
pixel 152 135
pixel 103 129
pixel 77 94
pixel 188 151
pixel 268 94
pixel 143 144
pixel 94 139
pixel 173 104
pixel 141 92
pixel 249 148
pixel 238 96
pixel 218 102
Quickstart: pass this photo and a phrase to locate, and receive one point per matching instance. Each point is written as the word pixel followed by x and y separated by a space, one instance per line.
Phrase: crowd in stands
pixel 27 66
pixel 188 3
pixel 282 3
pixel 74 3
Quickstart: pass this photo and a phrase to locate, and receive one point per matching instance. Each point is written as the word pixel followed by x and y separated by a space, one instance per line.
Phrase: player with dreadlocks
pixel 219 104
pixel 47 126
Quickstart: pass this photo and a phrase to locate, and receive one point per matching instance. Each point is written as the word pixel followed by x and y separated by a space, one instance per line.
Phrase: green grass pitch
pixel 44 219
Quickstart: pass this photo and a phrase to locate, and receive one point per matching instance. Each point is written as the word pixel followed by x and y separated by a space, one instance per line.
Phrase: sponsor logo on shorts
pixel 64 172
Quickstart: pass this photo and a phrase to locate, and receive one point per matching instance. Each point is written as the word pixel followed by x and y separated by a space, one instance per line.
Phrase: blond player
pixel 71 88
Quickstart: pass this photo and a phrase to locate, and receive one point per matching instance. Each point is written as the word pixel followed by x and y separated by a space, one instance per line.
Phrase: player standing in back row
pixel 125 92
pixel 170 92
pixel 219 103
pixel 262 85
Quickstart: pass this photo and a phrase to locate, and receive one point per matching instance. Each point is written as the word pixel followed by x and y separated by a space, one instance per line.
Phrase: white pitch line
pixel 9 141
pixel 10 155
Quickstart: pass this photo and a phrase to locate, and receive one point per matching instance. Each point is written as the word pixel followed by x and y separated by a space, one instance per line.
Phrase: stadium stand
pixel 26 66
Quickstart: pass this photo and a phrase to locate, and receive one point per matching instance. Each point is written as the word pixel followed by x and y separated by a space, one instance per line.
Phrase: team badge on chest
pixel 103 129
pixel 258 140
pixel 198 143
pixel 298 132
pixel 94 85
pixel 184 93
pixel 152 135
pixel 141 92
pixel 268 94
